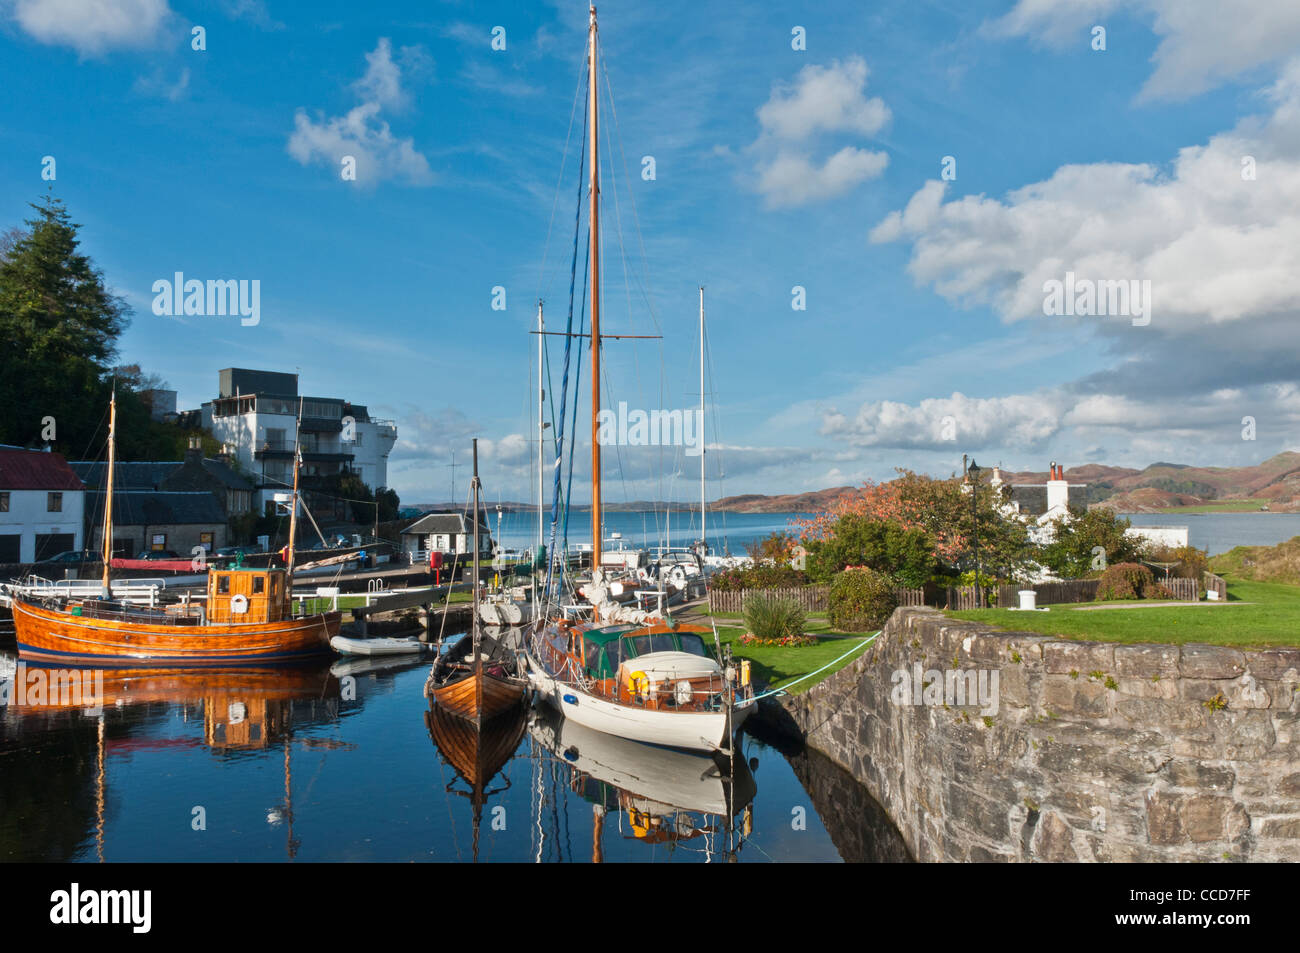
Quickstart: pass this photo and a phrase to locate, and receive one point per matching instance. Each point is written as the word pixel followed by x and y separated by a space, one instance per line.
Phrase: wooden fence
pixel 1217 584
pixel 816 598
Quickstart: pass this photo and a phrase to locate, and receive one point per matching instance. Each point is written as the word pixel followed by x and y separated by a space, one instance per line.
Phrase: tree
pixel 944 512
pixel 906 554
pixel 60 325
pixel 1088 541
pixel 778 549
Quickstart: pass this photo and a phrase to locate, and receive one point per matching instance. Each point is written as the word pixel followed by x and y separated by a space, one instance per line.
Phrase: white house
pixel 42 505
pixel 254 418
pixel 451 533
pixel 1042 503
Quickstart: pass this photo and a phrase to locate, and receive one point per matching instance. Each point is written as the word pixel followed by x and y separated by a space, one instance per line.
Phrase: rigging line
pixel 645 287
pixel 541 278
pixel 573 430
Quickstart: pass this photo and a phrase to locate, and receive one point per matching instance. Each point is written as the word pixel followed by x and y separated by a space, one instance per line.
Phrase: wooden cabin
pixel 247 595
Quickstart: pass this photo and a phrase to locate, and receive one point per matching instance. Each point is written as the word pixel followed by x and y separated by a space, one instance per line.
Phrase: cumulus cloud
pixel 360 132
pixel 1218 247
pixel 1203 43
pixel 821 102
pixel 92 27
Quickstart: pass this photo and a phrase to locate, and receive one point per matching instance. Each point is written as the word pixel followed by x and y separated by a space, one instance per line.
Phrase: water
pixel 304 764
pixel 1220 532
pixel 727 532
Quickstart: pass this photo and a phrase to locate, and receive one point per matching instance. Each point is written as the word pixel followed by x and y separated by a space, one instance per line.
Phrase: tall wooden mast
pixel 593 87
pixel 108 498
pixel 293 512
pixel 478 655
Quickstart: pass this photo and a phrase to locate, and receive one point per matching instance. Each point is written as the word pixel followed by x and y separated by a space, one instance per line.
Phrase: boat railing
pixel 132 591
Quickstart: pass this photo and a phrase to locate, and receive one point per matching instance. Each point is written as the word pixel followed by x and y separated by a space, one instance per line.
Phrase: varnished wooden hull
pixel 463 698
pixel 476 754
pixel 49 635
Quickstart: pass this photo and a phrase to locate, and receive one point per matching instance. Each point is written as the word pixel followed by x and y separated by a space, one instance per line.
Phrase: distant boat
pixel 247 617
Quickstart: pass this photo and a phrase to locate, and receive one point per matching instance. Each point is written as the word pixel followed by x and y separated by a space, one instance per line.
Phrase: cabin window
pixel 223 585
pixel 275 585
pixel 54 503
pixel 655 642
pixel 693 644
pixel 259 584
pixel 4 502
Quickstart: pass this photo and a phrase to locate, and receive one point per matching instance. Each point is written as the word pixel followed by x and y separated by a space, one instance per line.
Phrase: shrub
pixel 770 619
pixel 1129 581
pixel 861 599
pixel 757 577
pixel 907 554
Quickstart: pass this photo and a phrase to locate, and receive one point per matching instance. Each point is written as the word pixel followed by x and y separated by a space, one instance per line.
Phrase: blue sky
pixel 923 336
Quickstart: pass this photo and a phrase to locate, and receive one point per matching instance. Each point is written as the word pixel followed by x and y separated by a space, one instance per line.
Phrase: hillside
pixel 1280 563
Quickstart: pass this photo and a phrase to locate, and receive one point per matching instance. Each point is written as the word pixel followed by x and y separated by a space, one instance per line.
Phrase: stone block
pixel 1144 661
pixel 1081 697
pixel 1211 661
pixel 1209 817
pixel 1061 658
pixel 1144 687
pixel 1275 663
pixel 1165 818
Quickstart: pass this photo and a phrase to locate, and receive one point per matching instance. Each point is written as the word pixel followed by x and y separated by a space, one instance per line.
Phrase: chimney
pixel 195 450
pixel 1058 491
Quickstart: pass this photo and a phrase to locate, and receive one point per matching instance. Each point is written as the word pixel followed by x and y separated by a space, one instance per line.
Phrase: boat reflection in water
pixel 668 796
pixel 476 752
pixel 243 709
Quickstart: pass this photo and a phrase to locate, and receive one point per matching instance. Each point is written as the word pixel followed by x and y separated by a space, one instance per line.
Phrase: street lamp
pixel 973 472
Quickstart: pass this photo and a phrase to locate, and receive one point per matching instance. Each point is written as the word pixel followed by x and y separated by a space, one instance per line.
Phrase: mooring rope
pixel 782 689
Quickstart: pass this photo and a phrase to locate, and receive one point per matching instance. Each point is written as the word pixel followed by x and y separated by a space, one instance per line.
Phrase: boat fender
pixel 683 693
pixel 239 603
pixel 744 673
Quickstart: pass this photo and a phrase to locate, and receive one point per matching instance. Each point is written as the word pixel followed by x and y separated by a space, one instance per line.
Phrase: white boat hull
pixel 350 646
pixel 691 730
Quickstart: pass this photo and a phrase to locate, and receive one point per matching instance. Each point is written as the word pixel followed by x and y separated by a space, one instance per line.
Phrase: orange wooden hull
pixel 463 699
pixel 49 635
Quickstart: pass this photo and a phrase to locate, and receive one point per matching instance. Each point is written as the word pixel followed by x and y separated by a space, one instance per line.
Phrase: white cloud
pixel 92 27
pixel 939 423
pixel 1217 249
pixel 360 132
pixel 823 100
pixel 792 179
pixel 1203 43
pixel 157 84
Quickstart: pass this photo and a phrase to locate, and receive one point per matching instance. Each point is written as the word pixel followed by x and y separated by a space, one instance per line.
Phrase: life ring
pixel 239 603
pixel 678 577
pixel 638 683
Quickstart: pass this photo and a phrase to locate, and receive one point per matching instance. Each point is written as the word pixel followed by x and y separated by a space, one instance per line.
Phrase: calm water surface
pixel 1220 532
pixel 314 764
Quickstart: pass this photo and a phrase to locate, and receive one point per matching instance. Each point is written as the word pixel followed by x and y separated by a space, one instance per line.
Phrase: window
pixel 54 503
pixel 4 502
pixel 693 644
pixel 259 585
pixel 159 542
pixel 205 540
pixel 657 642
pixel 223 585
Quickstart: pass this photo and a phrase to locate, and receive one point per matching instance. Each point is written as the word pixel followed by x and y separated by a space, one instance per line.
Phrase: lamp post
pixel 973 472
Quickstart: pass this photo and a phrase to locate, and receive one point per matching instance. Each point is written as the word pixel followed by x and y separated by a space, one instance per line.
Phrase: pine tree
pixel 59 325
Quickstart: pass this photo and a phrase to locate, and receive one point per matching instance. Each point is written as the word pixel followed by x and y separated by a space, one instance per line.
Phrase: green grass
pixel 1221 506
pixel 1274 619
pixel 775 667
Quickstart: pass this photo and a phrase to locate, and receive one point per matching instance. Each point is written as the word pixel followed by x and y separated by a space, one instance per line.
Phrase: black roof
pixel 147 507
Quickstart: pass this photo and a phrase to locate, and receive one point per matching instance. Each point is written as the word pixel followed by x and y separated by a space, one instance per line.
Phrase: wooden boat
pixel 625 672
pixel 478 684
pixel 477 753
pixel 247 617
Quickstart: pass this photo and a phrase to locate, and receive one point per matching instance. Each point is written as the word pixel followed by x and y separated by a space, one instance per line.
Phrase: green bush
pixel 769 617
pixel 1130 581
pixel 905 554
pixel 861 599
pixel 757 577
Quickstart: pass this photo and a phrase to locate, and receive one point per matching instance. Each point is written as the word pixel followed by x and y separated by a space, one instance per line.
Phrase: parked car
pixel 159 554
pixel 73 557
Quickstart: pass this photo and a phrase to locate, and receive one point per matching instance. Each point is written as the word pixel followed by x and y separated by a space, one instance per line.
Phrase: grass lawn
pixel 1272 619
pixel 1219 506
pixel 775 667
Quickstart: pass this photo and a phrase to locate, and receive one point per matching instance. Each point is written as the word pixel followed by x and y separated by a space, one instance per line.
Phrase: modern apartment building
pixel 253 417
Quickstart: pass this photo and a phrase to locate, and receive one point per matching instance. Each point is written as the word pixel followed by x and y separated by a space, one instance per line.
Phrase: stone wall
pixel 1097 751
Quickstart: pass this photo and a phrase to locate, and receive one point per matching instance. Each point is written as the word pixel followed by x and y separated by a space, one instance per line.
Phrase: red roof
pixel 36 470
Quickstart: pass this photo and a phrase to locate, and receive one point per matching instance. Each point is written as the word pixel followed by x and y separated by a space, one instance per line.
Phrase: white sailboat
pixel 625 671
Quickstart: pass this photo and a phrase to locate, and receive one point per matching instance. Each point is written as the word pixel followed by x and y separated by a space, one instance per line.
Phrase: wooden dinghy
pixel 476 679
